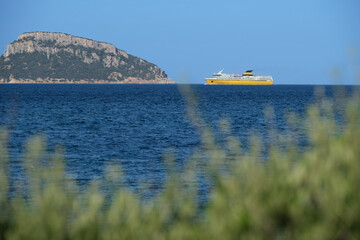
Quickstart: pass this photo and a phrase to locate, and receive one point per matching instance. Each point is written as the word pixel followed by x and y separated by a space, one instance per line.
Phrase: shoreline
pixel 64 81
pixel 80 83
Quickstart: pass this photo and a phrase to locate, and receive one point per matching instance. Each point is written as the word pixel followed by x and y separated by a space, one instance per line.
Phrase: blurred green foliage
pixel 295 194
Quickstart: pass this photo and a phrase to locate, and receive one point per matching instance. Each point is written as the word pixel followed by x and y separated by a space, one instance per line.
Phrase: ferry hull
pixel 238 82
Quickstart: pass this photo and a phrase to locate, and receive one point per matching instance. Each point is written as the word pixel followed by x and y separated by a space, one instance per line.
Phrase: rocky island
pixel 44 57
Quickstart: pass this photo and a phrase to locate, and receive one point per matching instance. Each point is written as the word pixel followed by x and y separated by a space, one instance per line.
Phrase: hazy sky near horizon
pixel 297 42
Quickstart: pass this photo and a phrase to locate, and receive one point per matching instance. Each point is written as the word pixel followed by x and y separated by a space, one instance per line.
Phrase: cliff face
pixel 42 57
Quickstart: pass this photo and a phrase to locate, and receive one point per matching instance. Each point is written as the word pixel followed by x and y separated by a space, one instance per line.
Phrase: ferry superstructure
pixel 247 78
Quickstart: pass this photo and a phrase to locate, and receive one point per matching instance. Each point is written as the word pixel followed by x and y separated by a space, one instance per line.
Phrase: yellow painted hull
pixel 238 82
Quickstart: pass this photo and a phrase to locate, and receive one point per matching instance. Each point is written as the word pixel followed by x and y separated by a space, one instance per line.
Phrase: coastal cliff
pixel 44 57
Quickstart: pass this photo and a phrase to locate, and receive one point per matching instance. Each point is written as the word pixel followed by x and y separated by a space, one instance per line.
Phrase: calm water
pixel 134 124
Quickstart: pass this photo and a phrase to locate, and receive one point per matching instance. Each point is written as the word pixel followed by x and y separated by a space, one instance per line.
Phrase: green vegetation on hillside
pixel 294 195
pixel 62 65
pixel 69 66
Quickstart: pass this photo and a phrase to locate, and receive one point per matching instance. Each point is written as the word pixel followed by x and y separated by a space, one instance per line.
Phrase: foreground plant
pixel 295 194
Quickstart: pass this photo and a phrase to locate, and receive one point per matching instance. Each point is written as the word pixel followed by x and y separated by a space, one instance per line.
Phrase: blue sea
pixel 135 125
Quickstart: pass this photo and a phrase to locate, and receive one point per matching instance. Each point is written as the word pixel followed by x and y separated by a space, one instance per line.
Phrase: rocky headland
pixel 44 57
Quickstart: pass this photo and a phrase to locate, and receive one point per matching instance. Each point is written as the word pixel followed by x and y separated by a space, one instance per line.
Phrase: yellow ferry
pixel 247 78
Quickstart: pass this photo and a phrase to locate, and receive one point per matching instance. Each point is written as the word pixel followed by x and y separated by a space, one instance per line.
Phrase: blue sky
pixel 297 42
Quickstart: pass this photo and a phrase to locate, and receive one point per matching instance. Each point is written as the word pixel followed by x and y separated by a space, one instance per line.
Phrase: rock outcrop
pixel 43 57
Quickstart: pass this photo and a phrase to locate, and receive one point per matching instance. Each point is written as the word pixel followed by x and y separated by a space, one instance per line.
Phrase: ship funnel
pixel 221 71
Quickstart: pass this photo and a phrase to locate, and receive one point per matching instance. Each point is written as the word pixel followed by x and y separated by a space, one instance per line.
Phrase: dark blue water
pixel 135 124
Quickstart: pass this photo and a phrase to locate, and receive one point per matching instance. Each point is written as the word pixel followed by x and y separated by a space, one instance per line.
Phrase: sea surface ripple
pixel 135 125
